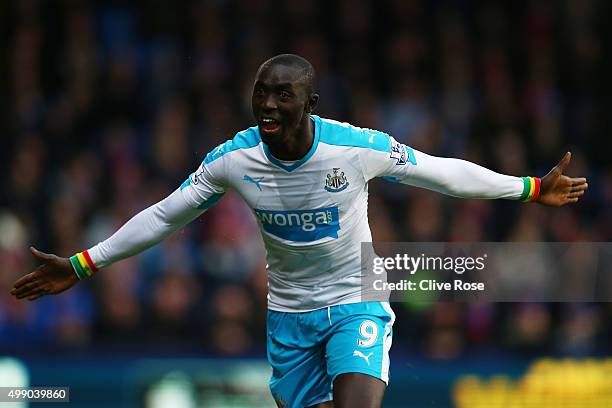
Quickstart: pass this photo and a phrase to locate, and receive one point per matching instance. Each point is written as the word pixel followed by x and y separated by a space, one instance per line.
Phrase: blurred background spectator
pixel 106 107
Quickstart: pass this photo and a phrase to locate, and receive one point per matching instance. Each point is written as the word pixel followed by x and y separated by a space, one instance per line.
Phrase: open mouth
pixel 269 125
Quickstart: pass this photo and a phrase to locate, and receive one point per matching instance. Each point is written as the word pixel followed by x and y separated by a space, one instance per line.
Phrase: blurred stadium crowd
pixel 107 107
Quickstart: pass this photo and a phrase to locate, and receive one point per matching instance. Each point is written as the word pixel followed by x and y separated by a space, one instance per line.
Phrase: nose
pixel 269 102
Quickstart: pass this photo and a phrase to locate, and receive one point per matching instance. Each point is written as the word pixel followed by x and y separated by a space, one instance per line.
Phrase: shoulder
pixel 344 134
pixel 245 139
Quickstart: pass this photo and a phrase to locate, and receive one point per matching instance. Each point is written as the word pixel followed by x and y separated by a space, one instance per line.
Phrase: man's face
pixel 280 101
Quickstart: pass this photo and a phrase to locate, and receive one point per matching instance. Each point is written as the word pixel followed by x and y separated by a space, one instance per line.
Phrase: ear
pixel 313 100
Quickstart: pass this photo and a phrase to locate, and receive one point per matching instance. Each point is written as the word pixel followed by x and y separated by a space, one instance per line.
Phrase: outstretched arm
pixel 457 178
pixel 147 228
pixel 200 191
pixel 460 178
pixel 464 179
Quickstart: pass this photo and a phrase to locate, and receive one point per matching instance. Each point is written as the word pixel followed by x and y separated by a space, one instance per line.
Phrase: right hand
pixel 54 275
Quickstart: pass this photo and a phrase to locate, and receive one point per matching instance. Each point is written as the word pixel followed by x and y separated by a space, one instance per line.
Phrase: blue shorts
pixel 308 350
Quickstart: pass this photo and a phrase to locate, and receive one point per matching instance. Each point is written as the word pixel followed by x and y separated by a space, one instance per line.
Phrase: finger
pixel 41 255
pixel 576 194
pixel 572 200
pixel 30 293
pixel 37 294
pixel 564 162
pixel 30 277
pixel 581 187
pixel 578 181
pixel 26 289
pixel 570 184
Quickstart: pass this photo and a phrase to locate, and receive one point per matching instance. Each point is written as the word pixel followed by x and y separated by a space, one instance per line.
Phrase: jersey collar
pixel 313 148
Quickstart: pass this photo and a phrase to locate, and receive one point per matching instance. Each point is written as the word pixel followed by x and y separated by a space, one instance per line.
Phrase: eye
pixel 258 92
pixel 285 95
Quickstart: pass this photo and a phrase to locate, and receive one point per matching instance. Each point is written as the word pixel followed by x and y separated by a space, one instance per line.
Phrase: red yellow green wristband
pixel 83 265
pixel 536 192
pixel 531 189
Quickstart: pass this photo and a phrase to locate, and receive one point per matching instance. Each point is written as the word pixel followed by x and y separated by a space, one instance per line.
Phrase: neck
pixel 296 145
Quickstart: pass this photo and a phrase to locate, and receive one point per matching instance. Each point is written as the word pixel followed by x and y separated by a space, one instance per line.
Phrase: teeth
pixel 267 120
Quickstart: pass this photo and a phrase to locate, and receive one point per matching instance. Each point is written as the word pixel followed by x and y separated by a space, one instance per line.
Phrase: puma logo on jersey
pixel 255 181
pixel 360 354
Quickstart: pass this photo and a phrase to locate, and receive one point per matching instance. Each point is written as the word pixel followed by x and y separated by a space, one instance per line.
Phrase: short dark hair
pixel 295 61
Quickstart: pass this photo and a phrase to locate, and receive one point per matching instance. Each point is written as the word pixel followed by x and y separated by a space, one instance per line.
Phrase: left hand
pixel 557 190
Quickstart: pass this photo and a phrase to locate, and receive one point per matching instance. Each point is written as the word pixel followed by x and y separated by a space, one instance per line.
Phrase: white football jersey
pixel 313 212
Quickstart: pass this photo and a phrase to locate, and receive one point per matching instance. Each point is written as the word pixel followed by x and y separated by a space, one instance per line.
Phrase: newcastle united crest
pixel 336 182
